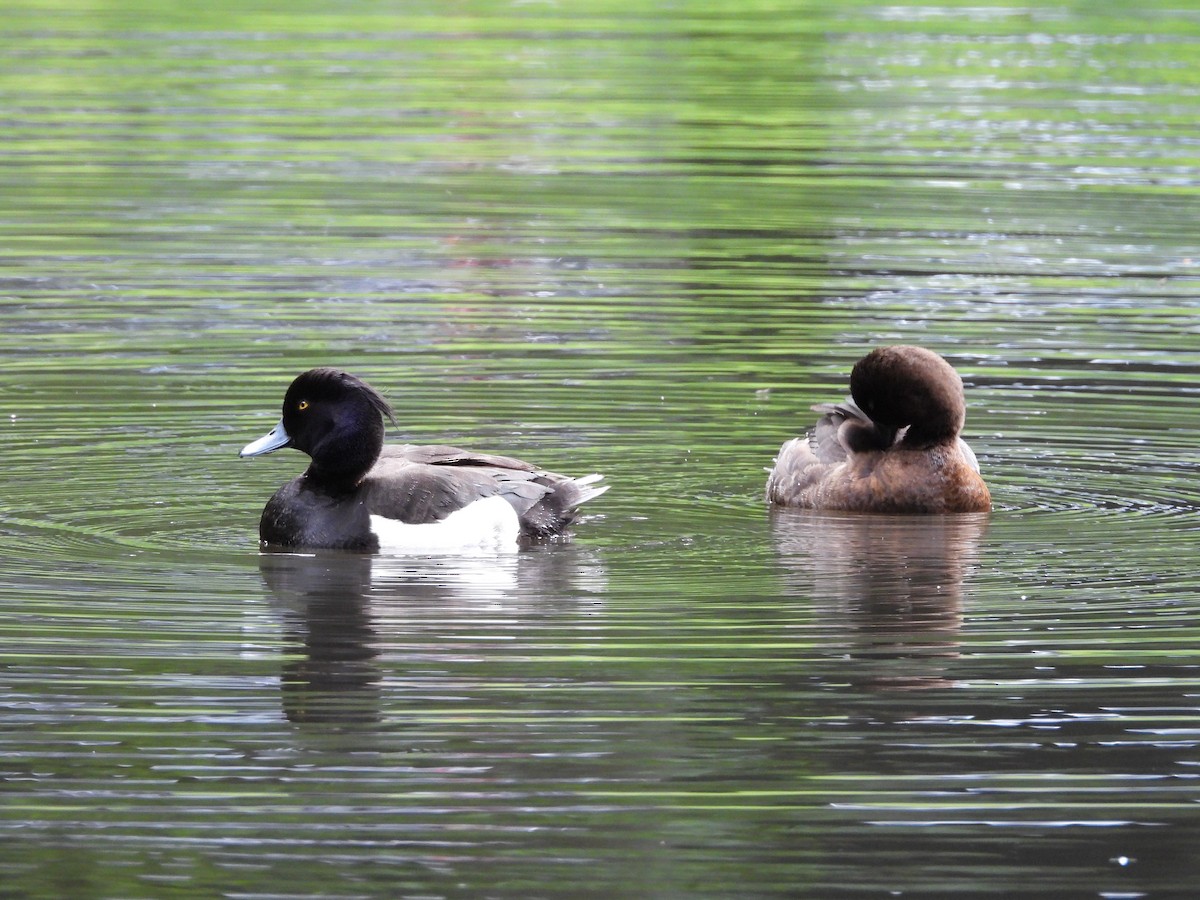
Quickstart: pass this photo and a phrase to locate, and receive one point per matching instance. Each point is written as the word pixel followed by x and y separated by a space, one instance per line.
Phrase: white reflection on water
pixel 342 611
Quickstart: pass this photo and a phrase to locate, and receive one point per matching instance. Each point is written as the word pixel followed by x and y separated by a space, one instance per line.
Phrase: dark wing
pixel 419 493
pixel 443 455
pixel 425 483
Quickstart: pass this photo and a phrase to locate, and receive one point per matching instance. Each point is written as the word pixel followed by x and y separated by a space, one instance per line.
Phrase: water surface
pixel 640 241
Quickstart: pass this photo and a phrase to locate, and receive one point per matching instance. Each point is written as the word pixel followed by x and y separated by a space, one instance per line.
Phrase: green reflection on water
pixel 638 240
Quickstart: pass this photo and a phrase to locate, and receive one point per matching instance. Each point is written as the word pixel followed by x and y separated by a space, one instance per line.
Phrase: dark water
pixel 607 237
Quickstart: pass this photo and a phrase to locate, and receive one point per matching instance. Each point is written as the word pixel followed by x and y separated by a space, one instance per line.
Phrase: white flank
pixel 968 454
pixel 489 524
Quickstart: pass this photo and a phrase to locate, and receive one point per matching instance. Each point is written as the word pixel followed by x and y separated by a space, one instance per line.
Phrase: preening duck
pixel 893 447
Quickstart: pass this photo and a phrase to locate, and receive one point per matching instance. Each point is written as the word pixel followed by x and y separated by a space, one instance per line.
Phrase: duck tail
pixel 586 491
pixel 558 505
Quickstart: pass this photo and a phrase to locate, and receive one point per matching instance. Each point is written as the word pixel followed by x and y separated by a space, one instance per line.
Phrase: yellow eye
pixel 302 405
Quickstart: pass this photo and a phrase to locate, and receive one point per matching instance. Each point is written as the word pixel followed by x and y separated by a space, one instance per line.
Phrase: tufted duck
pixel 894 447
pixel 358 494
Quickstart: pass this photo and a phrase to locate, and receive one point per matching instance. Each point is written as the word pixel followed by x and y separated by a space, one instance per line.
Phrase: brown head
pixel 906 386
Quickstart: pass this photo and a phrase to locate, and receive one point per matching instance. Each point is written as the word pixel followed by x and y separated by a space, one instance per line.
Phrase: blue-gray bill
pixel 274 439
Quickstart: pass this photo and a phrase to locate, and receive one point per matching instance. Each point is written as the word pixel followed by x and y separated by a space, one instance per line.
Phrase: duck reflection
pixel 892 584
pixel 342 611
pixel 333 675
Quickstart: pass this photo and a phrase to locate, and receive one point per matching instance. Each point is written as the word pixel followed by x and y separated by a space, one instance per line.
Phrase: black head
pixel 906 386
pixel 337 419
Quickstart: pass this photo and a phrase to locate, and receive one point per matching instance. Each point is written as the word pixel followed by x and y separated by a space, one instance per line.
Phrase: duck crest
pixel 326 383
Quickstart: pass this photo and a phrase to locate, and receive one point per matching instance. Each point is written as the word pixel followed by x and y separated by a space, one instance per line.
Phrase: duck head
pixel 910 387
pixel 335 418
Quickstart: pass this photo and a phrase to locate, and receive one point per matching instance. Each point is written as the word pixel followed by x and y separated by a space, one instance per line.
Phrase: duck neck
pixel 929 434
pixel 341 463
